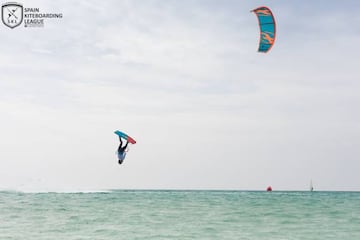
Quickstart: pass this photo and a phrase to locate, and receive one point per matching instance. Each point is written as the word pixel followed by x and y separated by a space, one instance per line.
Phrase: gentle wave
pixel 180 214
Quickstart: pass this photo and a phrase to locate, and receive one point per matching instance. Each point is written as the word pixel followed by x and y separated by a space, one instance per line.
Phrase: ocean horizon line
pixel 84 191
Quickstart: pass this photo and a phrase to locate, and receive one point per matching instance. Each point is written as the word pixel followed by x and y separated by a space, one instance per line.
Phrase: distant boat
pixel 269 189
pixel 311 186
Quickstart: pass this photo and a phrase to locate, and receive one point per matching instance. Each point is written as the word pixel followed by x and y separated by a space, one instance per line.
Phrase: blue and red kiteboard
pixel 125 136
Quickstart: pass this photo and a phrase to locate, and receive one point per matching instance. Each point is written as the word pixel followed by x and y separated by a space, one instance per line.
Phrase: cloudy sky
pixel 183 78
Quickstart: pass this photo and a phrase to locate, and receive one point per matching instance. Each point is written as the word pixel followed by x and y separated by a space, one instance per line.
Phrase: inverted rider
pixel 121 152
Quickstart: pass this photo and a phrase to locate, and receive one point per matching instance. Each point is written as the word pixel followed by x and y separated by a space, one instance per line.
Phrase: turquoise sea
pixel 136 214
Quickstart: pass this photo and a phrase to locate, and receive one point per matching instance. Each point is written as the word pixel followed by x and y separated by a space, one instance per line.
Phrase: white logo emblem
pixel 12 14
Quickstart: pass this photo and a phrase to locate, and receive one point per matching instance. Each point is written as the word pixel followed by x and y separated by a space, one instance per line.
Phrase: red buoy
pixel 269 189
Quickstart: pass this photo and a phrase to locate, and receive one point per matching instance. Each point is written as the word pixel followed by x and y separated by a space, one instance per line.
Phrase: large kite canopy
pixel 267 28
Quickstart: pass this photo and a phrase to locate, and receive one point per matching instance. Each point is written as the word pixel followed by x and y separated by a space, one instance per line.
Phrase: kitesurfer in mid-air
pixel 121 152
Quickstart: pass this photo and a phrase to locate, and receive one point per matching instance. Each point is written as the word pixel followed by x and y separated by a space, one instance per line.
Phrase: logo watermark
pixel 14 14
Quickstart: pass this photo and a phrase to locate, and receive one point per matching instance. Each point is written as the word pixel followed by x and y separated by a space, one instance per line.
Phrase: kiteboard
pixel 125 136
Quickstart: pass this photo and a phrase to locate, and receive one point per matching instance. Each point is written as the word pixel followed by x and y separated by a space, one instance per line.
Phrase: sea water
pixel 125 214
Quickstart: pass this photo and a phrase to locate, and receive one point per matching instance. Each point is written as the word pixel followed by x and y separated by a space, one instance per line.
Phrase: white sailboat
pixel 311 186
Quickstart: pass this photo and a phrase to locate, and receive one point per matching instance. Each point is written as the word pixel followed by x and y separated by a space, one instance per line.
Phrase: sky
pixel 184 79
